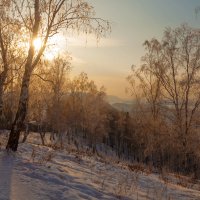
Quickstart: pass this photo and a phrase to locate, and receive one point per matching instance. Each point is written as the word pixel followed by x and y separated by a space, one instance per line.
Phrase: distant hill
pixel 123 107
pixel 114 99
pixel 120 104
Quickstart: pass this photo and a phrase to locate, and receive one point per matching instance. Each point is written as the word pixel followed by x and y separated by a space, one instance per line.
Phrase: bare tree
pixel 9 38
pixel 173 64
pixel 58 79
pixel 86 113
pixel 179 71
pixel 46 18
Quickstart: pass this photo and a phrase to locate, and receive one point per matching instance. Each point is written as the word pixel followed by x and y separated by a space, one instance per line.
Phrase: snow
pixel 36 172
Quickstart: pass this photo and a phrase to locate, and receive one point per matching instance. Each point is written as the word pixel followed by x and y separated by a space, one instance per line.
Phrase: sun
pixel 37 43
pixel 56 46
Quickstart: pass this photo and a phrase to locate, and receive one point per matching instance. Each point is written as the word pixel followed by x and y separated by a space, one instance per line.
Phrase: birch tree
pixel 10 30
pixel 44 19
pixel 174 65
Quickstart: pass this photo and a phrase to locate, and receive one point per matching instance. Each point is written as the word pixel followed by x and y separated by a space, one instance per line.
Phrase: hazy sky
pixel 133 21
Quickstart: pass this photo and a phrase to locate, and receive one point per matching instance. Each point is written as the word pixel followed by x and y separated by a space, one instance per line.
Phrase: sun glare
pixel 55 46
pixel 37 43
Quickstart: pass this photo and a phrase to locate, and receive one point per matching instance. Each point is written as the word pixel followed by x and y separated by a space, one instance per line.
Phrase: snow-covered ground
pixel 41 173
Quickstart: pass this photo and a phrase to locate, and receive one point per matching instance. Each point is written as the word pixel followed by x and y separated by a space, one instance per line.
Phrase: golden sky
pixel 133 21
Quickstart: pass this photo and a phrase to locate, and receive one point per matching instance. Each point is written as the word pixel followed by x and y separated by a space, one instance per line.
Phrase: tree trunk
pixel 1 99
pixel 21 113
pixel 42 136
pixel 26 133
pixel 2 82
pixel 23 101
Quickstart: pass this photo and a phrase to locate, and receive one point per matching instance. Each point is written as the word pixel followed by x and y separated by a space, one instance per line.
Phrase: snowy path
pixel 12 185
pixel 21 180
pixel 27 176
pixel 6 173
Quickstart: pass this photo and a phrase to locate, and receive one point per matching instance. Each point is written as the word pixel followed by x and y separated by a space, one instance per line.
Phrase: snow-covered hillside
pixel 41 173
